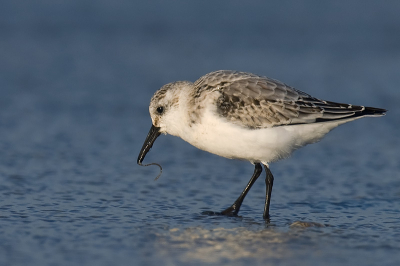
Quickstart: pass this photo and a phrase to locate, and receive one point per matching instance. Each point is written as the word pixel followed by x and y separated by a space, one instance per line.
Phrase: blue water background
pixel 76 78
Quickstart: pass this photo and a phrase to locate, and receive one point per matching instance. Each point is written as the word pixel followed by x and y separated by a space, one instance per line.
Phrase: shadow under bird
pixel 243 116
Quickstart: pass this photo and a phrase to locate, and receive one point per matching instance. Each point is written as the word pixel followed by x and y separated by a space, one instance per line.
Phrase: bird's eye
pixel 160 109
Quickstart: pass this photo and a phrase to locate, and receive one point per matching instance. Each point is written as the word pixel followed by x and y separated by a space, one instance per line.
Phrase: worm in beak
pixel 148 143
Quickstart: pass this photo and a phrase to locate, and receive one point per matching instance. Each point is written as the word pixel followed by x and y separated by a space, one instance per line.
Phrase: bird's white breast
pixel 216 135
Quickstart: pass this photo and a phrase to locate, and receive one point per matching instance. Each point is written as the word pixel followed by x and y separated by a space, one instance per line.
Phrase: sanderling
pixel 244 116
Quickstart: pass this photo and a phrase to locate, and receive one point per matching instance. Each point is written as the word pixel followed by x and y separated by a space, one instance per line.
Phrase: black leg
pixel 269 182
pixel 234 209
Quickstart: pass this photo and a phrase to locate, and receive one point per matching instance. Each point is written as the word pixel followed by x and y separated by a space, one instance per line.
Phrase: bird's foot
pixel 231 211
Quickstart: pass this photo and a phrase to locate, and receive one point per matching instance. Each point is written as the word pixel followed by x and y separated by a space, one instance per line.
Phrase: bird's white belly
pixel 220 137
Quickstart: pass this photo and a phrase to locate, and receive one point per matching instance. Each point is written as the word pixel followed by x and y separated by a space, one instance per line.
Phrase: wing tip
pixel 373 111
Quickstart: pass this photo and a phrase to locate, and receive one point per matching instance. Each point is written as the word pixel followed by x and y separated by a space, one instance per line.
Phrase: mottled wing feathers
pixel 260 102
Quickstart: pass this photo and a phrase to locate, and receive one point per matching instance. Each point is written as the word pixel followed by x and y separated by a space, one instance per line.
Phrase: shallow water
pixel 75 81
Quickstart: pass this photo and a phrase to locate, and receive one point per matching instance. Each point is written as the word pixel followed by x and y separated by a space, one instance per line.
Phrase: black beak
pixel 148 143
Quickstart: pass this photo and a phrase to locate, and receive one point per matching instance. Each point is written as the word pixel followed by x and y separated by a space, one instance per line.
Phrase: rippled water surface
pixel 75 82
